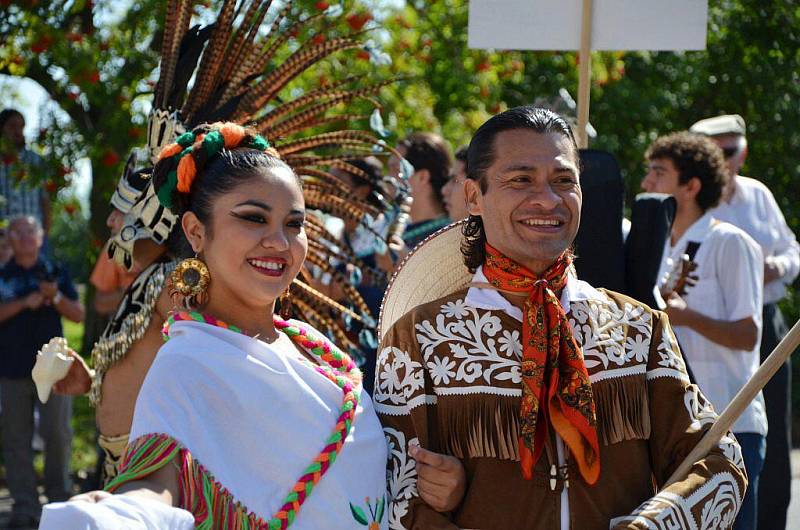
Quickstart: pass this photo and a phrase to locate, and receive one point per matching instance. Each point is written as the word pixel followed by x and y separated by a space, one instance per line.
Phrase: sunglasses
pixel 729 152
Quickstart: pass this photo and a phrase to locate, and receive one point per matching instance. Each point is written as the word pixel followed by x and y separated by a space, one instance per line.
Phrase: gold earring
pixel 286 305
pixel 190 281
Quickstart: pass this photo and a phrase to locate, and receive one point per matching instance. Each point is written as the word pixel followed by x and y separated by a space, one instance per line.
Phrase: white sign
pixel 616 24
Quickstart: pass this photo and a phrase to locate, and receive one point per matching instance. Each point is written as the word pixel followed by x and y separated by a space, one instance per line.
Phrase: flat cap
pixel 725 124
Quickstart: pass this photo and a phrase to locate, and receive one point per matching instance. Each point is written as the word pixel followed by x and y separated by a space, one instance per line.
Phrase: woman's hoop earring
pixel 189 283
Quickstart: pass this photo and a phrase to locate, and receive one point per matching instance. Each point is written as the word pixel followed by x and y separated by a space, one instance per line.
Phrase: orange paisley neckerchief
pixel 553 370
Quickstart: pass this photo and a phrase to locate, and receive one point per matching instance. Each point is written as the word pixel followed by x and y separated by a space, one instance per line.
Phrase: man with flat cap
pixel 750 205
pixel 569 407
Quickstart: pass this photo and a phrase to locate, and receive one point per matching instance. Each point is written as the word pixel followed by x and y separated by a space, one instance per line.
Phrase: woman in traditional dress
pixel 245 419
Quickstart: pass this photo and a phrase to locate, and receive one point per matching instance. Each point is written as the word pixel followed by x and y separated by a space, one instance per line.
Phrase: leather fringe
pixel 480 426
pixel 623 411
pixel 487 426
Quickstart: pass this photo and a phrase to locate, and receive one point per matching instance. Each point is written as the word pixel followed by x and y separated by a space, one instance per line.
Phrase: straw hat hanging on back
pixel 433 269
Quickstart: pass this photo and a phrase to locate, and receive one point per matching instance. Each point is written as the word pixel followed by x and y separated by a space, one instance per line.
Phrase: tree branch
pixel 38 72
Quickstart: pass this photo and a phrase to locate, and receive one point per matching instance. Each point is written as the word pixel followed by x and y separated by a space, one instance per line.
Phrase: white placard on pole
pixel 616 24
pixel 584 72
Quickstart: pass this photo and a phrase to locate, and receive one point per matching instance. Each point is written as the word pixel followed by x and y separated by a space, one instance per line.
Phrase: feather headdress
pixel 241 68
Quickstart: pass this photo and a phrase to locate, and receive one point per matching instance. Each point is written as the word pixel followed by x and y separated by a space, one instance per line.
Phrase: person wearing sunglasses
pixel 750 205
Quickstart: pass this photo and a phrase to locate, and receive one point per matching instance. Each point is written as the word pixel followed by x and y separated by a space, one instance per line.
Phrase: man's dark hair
pixel 481 156
pixel 7 114
pixel 429 151
pixel 373 169
pixel 694 156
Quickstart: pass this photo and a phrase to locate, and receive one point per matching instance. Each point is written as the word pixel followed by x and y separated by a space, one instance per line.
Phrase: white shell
pixel 52 364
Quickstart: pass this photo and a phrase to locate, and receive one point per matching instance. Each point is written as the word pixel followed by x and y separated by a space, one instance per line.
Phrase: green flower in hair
pixel 213 143
pixel 185 140
pixel 259 142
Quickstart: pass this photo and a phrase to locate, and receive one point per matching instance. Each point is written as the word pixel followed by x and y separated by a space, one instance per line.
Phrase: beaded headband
pixel 188 149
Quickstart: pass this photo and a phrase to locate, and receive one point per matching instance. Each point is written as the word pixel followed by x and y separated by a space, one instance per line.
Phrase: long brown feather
pixel 351 293
pixel 335 96
pixel 285 132
pixel 296 64
pixel 210 64
pixel 335 206
pixel 299 162
pixel 170 25
pixel 344 195
pixel 348 138
pixel 327 300
pixel 271 48
pixel 241 54
pixel 317 318
pixel 182 26
pixel 308 118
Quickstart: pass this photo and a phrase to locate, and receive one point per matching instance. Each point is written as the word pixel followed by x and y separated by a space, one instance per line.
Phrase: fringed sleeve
pixel 406 406
pixel 711 494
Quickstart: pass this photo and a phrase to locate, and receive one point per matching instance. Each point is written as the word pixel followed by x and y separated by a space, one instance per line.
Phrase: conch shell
pixel 52 364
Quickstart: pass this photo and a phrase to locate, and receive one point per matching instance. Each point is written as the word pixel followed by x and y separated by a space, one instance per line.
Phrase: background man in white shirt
pixel 718 319
pixel 750 205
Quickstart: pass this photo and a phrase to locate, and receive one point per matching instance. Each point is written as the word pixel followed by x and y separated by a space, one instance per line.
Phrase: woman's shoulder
pixel 184 340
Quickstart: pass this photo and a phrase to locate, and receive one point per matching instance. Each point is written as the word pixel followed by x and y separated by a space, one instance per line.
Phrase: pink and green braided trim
pixel 211 504
pixel 197 317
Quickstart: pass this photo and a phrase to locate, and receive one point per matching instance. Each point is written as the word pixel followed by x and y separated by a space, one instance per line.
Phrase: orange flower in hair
pixel 187 171
pixel 233 135
pixel 170 150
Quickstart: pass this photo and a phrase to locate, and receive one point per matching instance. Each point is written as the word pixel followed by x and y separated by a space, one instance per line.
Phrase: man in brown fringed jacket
pixel 568 407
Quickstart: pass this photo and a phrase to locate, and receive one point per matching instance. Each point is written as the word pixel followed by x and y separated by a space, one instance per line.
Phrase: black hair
pixel 7 114
pixel 429 151
pixel 694 156
pixel 461 153
pixel 217 175
pixel 373 169
pixel 481 155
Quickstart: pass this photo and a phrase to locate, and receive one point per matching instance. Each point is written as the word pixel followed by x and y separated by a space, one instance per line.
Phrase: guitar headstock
pixel 680 278
pixel 685 278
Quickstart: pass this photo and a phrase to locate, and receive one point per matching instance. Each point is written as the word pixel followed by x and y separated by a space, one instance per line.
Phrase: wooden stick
pixel 740 402
pixel 584 73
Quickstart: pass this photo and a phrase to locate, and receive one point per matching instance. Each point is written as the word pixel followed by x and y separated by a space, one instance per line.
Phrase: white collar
pixel 697 232
pixel 672 253
pixel 490 299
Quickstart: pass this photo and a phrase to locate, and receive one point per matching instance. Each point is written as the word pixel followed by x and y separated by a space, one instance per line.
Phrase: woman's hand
pixel 92 496
pixel 441 480
pixel 78 380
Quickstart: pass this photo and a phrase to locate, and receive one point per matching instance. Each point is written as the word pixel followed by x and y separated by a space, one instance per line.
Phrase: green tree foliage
pixel 93 70
pixel 92 60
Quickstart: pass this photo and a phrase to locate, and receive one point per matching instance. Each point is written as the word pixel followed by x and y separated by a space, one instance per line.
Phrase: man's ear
pixel 195 231
pixel 473 194
pixel 693 187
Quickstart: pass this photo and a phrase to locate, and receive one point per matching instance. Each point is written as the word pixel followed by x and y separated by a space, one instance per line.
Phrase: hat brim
pixel 433 269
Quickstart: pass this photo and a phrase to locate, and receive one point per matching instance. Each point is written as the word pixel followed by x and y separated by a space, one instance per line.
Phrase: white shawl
pixel 255 415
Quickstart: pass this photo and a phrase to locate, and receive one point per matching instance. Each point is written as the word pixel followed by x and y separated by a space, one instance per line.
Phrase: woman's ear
pixel 194 230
